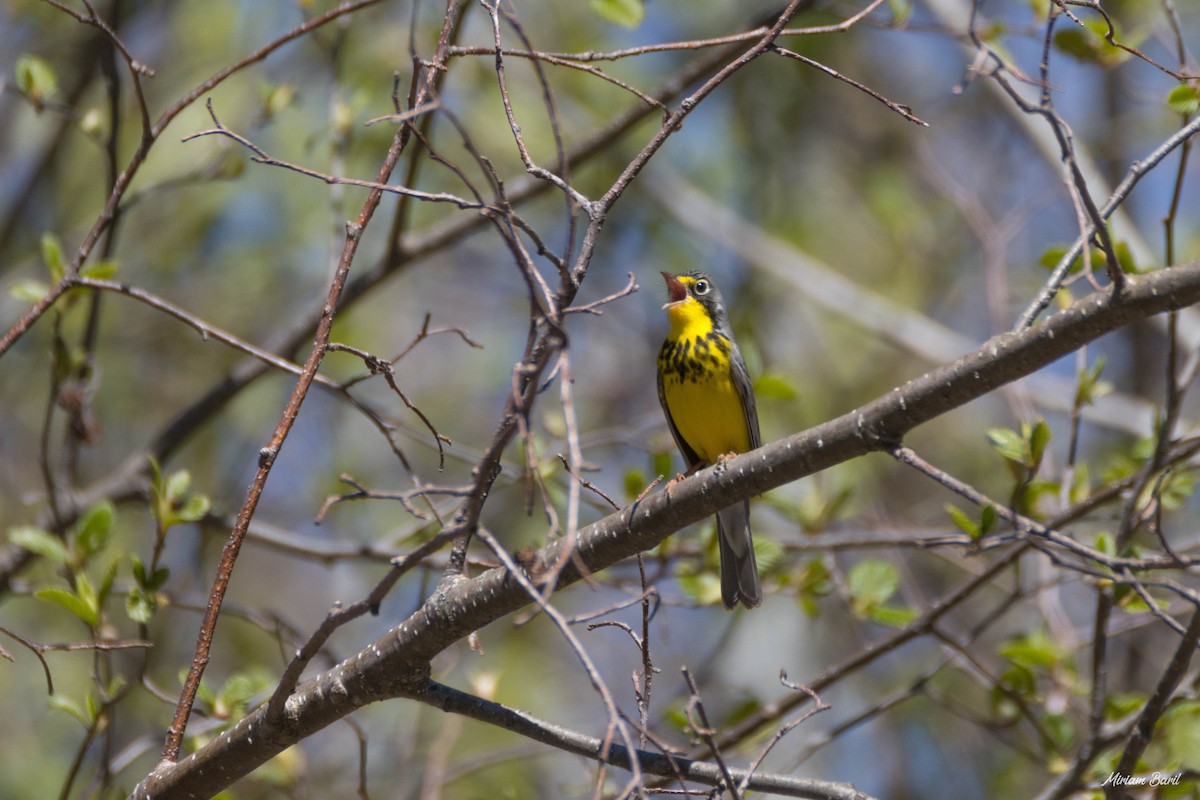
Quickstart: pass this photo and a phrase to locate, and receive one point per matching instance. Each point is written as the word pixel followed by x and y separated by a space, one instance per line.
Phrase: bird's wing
pixel 745 390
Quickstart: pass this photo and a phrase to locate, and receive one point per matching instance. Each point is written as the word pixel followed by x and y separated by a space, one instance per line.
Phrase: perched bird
pixel 706 395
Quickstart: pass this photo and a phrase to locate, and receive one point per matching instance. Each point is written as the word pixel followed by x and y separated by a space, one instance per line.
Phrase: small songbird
pixel 708 400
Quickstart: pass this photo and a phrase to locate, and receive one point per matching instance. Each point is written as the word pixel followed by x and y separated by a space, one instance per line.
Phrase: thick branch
pixel 453 701
pixel 397 664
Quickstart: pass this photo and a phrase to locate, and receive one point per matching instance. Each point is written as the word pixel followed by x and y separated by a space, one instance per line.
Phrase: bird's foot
pixel 721 459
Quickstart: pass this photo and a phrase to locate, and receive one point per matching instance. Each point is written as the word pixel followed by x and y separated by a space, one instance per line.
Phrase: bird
pixel 708 400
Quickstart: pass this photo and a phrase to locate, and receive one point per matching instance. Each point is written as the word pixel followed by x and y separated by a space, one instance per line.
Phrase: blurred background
pixel 856 250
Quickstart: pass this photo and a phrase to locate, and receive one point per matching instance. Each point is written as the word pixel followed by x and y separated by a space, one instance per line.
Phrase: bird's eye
pixel 702 287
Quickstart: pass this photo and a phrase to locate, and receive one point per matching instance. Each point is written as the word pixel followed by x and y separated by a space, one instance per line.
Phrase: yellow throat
pixel 689 320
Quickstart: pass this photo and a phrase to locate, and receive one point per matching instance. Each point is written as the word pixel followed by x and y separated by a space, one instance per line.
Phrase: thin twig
pixel 701 727
pixel 899 108
pixel 262 157
pixel 615 723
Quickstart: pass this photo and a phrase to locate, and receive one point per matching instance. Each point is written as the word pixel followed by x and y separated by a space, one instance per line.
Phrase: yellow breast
pixel 698 388
pixel 708 415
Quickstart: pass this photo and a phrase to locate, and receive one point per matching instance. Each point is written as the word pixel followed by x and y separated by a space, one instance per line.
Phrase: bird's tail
pixel 739 572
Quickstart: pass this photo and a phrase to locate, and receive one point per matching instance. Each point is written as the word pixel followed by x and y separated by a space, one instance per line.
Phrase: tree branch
pixel 398 663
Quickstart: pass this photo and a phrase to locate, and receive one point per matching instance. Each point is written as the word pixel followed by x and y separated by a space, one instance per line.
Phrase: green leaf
pixel 140 605
pixel 1075 42
pixel 987 519
pixel 1089 43
pixel 1181 733
pixel 204 692
pixel 634 482
pixel 1022 450
pixel 1129 601
pixel 1034 490
pixel 93 708
pixel 92 531
pixel 115 685
pixel 1020 679
pixel 1039 437
pixel 775 387
pixel 1081 483
pixel 106 582
pixel 744 710
pixel 871 583
pixel 1184 99
pixel 159 578
pixel 36 79
pixel 1117 706
pixel 178 484
pixel 1053 255
pixel 629 13
pixel 40 542
pixel 1060 730
pixel 1089 387
pixel 278 97
pixel 703 588
pixel 52 257
pixel 1009 444
pixel 1177 489
pixel 88 594
pixel 146 580
pixel 156 476
pixel 69 706
pixel 193 509
pixel 893 616
pixel 963 521
pixel 677 716
pixel 901 11
pixel 1144 448
pixel 1124 255
pixel 767 553
pixel 236 692
pixel 1063 298
pixel 71 602
pixel 1120 465
pixel 812 583
pixel 662 464
pixel 29 290
pixel 986 523
pixel 1034 650
pixel 101 270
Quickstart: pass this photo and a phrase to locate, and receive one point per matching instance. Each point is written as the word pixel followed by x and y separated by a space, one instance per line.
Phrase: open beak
pixel 676 291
